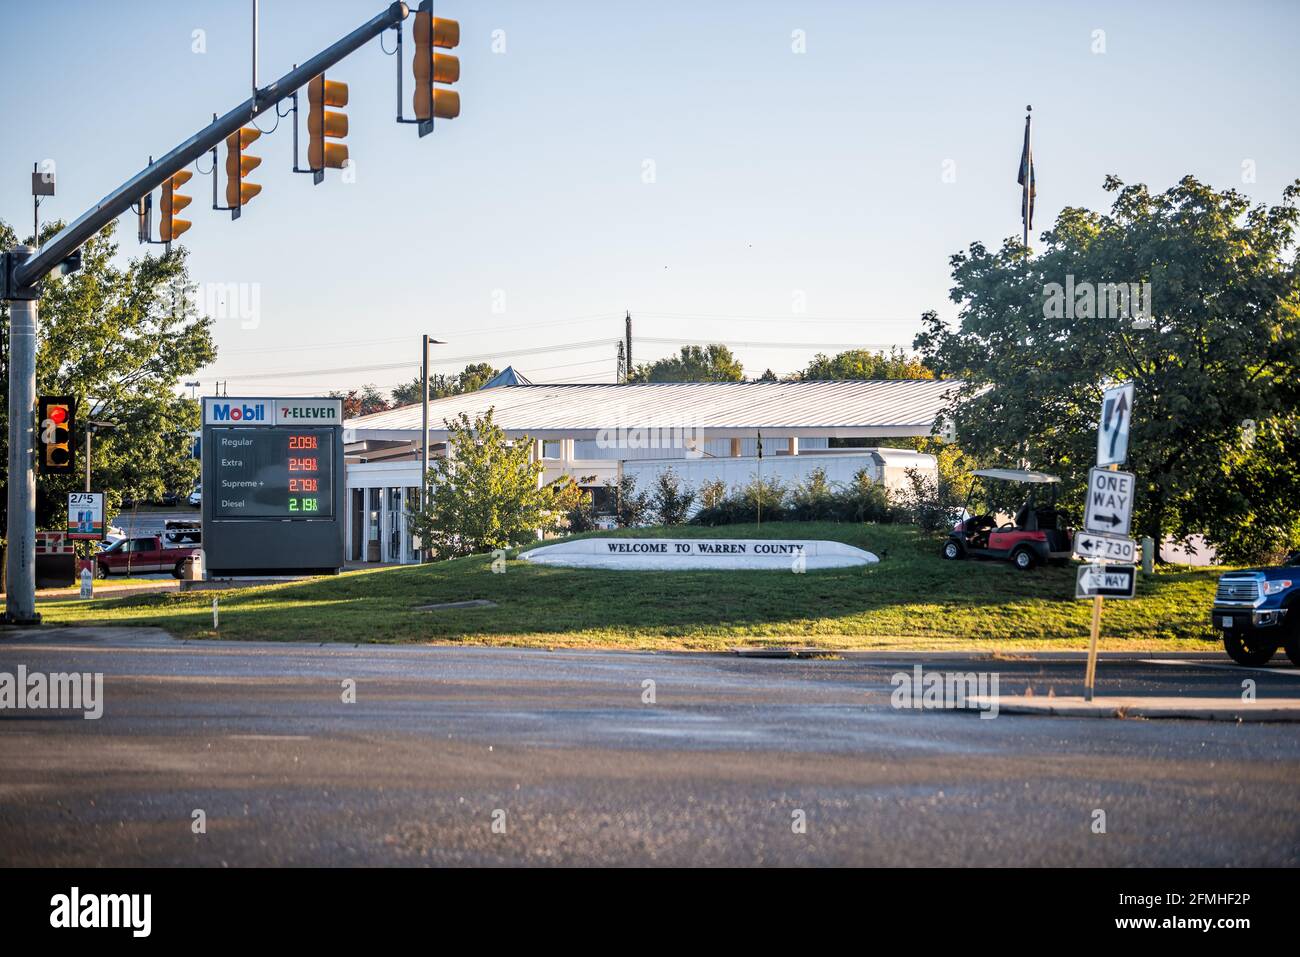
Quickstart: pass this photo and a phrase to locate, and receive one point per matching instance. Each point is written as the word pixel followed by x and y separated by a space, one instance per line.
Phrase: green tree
pixel 865 364
pixel 119 339
pixel 365 402
pixel 488 493
pixel 713 363
pixel 472 378
pixel 1218 347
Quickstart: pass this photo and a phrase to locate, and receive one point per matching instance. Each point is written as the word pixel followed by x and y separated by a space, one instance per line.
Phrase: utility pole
pixel 628 347
pixel 23 267
pixel 620 371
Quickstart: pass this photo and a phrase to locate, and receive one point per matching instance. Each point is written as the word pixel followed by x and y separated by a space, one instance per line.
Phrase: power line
pixel 290 374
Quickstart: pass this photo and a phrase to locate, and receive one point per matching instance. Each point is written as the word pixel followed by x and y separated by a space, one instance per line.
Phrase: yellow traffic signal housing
pixel 430 102
pixel 323 124
pixel 238 165
pixel 172 203
pixel 58 452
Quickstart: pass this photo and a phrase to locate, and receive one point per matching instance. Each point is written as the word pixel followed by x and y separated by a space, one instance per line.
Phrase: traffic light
pixel 58 450
pixel 172 203
pixel 239 165
pixel 322 123
pixel 430 102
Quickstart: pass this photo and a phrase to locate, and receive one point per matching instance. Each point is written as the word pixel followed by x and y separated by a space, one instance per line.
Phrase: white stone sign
pixel 680 554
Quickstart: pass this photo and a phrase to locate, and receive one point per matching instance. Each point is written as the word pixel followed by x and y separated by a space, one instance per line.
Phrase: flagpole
pixel 1029 171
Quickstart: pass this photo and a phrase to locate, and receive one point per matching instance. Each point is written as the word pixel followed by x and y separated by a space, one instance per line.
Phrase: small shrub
pixel 631 508
pixel 931 505
pixel 670 500
pixel 864 500
pixel 813 499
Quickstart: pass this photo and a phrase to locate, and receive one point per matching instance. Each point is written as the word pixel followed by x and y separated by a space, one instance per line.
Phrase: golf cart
pixel 1035 535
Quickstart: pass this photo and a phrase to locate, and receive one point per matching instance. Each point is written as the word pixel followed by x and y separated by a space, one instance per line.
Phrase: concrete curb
pixel 1204 709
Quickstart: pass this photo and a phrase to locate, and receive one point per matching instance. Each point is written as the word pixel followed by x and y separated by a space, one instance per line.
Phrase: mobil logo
pixel 246 412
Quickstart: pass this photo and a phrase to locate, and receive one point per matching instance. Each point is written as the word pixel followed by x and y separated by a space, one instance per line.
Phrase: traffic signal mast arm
pixel 27 273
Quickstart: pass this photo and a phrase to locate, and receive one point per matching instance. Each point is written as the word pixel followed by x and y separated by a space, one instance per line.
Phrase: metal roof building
pixel 890 408
pixel 593 432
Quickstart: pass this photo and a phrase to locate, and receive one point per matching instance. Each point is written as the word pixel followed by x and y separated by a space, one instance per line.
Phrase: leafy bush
pixel 864 500
pixel 813 499
pixel 582 517
pixel 631 508
pixel 712 494
pixel 670 500
pixel 762 500
pixel 934 506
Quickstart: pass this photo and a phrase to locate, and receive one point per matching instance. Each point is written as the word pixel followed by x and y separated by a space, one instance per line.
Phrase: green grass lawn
pixel 911 599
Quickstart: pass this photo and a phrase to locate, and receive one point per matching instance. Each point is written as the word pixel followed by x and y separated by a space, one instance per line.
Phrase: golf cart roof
pixel 1016 475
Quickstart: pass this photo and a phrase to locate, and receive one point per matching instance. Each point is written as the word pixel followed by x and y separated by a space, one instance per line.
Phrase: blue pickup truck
pixel 1258 611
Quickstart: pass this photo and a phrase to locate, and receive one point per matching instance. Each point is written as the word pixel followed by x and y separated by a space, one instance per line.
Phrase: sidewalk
pixel 1206 709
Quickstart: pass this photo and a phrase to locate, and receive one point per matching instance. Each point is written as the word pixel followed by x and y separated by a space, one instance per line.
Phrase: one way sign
pixel 1110 502
pixel 1112 431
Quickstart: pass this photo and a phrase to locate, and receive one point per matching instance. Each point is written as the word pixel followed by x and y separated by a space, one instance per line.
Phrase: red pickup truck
pixel 139 555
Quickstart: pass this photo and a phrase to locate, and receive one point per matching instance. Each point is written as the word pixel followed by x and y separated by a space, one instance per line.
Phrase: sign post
pixel 1108 515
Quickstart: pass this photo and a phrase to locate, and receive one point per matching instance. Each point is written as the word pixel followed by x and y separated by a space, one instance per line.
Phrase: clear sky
pixel 780 178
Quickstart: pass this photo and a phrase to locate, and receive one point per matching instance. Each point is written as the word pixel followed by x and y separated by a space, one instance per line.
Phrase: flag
pixel 1026 181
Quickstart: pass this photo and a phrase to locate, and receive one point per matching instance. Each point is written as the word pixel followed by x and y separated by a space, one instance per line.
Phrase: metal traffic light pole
pixel 20 535
pixel 23 268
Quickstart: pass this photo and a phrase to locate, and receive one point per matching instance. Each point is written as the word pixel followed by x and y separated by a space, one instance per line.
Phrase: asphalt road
pixel 561 751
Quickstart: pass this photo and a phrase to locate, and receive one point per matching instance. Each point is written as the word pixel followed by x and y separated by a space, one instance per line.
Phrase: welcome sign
pixel 674 554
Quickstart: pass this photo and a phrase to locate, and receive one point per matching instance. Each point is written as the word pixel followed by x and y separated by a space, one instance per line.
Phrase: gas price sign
pixel 274 472
pixel 272 486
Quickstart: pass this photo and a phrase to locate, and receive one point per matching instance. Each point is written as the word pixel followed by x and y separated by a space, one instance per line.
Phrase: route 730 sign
pixel 1104 548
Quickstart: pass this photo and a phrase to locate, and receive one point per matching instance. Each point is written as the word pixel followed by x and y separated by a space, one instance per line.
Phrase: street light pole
pixel 424 415
pixel 425 341
pixel 91 428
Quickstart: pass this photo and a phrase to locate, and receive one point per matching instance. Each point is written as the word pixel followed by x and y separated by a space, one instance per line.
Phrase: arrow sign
pixel 1108 581
pixel 1110 502
pixel 1113 429
pixel 1104 548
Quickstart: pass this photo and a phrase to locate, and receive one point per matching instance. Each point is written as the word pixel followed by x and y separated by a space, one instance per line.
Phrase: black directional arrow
pixel 1120 408
pixel 1111 520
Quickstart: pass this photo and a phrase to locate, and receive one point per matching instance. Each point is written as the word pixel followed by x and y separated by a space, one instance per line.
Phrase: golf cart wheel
pixel 1248 649
pixel 1023 559
pixel 953 551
